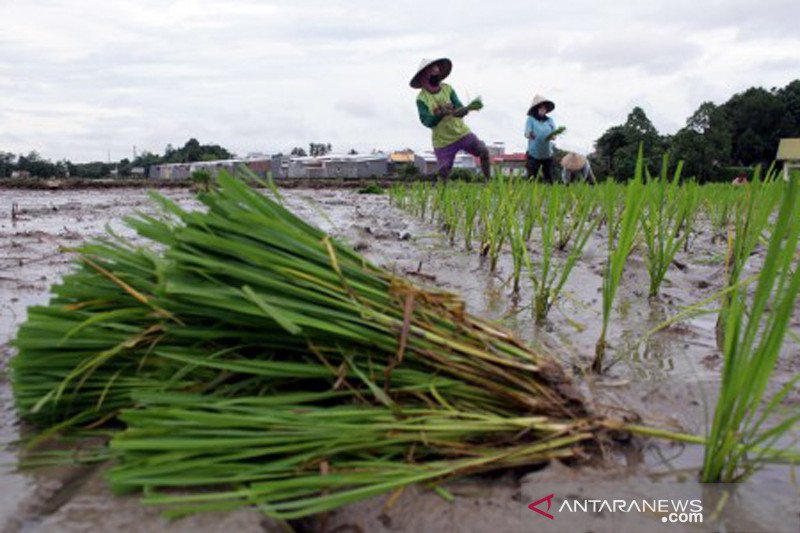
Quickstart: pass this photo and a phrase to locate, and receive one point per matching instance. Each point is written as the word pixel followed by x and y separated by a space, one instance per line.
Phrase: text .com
pixel 683 518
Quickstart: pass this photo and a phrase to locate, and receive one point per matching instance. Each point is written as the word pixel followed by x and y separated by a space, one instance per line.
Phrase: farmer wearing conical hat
pixel 576 166
pixel 540 130
pixel 441 110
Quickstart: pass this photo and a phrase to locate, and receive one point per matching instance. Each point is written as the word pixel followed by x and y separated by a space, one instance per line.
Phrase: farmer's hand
pixel 531 135
pixel 444 110
pixel 460 112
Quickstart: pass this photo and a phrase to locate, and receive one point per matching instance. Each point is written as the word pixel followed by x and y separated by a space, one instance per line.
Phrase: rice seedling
pixel 566 223
pixel 548 276
pixel 519 251
pixel 751 219
pixel 499 210
pixel 739 438
pixel 663 217
pixel 532 199
pixel 470 203
pixel 691 194
pixel 623 230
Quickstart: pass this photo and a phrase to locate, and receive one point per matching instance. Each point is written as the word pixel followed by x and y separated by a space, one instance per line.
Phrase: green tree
pixel 756 116
pixel 36 165
pixel 616 150
pixel 704 144
pixel 318 149
pixel 7 164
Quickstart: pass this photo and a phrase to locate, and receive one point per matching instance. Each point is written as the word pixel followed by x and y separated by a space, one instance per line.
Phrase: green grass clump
pixel 372 188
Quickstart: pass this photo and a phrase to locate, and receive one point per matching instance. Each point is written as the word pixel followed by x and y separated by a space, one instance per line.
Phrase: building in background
pixel 259 166
pixel 789 155
pixel 508 164
pixel 497 149
pixel 425 163
pixel 356 166
pixel 333 166
pixel 466 161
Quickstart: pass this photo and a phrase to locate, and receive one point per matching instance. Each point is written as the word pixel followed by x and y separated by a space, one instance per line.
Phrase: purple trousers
pixel 446 155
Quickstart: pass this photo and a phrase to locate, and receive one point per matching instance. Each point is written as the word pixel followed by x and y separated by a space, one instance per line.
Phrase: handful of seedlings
pixel 476 104
pixel 245 352
pixel 556 132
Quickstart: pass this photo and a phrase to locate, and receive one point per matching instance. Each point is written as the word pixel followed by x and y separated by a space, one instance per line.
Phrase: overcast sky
pixel 80 80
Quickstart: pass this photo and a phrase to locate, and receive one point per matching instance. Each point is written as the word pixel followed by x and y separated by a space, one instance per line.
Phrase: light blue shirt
pixel 540 147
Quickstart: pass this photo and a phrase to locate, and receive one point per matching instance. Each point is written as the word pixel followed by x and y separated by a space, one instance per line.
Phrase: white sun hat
pixel 444 64
pixel 538 100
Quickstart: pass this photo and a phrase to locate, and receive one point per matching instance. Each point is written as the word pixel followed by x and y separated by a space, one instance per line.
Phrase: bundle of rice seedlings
pixel 476 104
pixel 291 458
pixel 556 132
pixel 245 304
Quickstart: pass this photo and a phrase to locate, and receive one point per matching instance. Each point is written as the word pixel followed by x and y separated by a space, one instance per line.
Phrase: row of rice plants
pixel 747 426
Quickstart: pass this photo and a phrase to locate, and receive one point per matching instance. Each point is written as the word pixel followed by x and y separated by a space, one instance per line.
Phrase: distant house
pixel 259 167
pixel 509 164
pixel 21 174
pixel 466 161
pixel 356 166
pixel 170 171
pixel 399 159
pixel 332 166
pixel 279 165
pixel 401 156
pixel 305 167
pixel 497 149
pixel 789 155
pixel 426 163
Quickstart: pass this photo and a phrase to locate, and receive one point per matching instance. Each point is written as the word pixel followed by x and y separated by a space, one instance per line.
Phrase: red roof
pixel 509 158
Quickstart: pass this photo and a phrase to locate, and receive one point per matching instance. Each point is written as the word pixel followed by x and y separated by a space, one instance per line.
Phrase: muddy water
pixel 668 379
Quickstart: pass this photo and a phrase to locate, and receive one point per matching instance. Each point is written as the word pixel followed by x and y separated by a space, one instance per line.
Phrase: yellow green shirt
pixel 447 129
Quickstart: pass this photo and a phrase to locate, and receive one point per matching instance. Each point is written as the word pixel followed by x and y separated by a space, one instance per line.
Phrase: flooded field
pixel 667 380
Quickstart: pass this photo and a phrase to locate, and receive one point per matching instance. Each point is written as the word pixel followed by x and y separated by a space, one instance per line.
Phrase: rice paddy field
pixel 432 358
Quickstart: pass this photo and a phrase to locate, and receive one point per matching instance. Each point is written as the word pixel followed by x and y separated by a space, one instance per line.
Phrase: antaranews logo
pixel 672 511
pixel 534 506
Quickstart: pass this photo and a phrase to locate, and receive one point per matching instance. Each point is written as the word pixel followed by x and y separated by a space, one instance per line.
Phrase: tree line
pixel 717 142
pixel 37 166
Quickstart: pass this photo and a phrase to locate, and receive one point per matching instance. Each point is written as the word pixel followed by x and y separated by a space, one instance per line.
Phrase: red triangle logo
pixel 549 499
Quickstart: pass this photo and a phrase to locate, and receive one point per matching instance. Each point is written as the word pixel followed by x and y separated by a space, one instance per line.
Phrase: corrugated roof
pixel 789 150
pixel 402 157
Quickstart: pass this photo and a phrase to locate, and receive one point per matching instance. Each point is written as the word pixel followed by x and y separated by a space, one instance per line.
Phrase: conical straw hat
pixel 573 161
pixel 444 64
pixel 539 99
